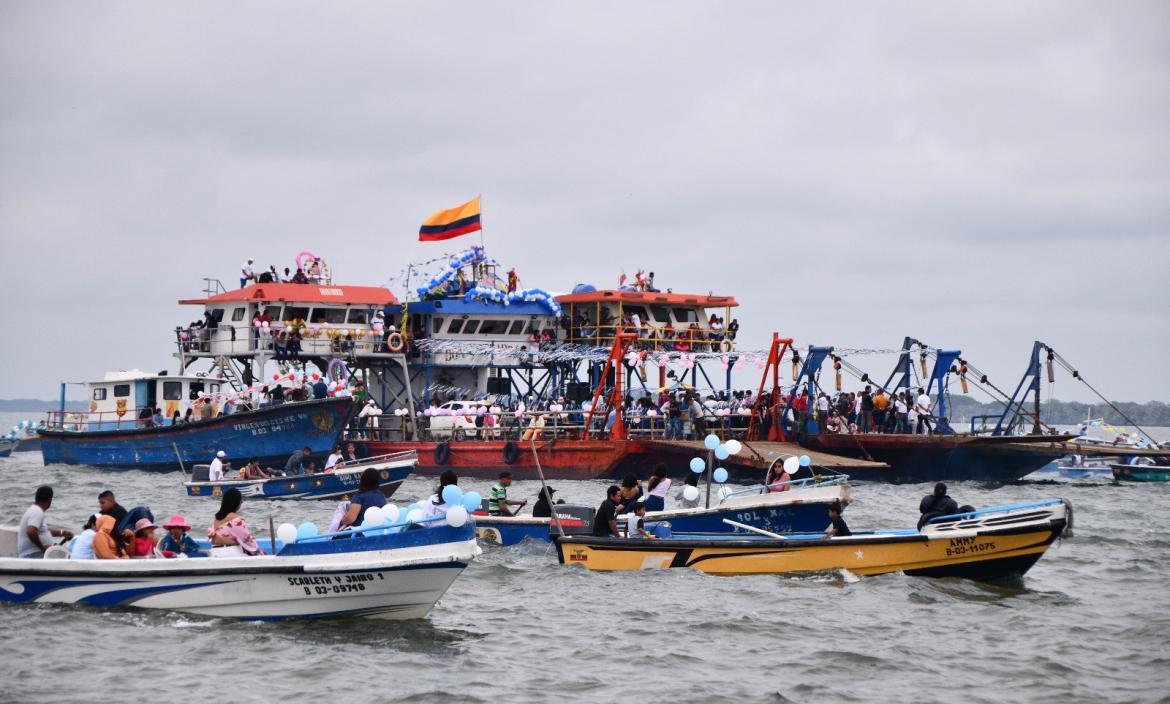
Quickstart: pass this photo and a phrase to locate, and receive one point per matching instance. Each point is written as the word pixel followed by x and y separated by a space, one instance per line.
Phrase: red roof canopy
pixel 647 297
pixel 302 293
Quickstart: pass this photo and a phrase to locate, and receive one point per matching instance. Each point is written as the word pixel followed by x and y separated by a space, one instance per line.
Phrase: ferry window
pixel 686 315
pixel 99 394
pixel 661 314
pixel 517 327
pixel 173 390
pixel 437 324
pixel 196 387
pixel 358 316
pixel 273 312
pixel 237 314
pixel 494 327
pixel 471 327
pixel 534 326
pixel 121 390
pixel 293 313
pixel 455 326
pixel 332 316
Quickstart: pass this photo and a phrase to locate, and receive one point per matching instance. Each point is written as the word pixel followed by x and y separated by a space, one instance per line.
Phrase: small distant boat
pixel 7 445
pixel 1140 472
pixel 382 576
pixel 392 470
pixel 990 544
pixel 803 508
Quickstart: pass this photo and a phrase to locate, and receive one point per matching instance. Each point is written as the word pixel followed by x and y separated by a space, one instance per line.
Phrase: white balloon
pixel 374 516
pixel 690 493
pixel 286 533
pixel 456 516
pixel 791 465
pixel 390 513
pixel 733 446
pixel 415 515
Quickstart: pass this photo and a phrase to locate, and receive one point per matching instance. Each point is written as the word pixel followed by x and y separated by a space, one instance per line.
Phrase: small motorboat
pixel 1140 472
pixel 989 544
pixel 343 480
pixel 391 571
pixel 7 445
pixel 802 508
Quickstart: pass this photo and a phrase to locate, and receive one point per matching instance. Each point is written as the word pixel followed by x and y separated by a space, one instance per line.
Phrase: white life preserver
pixel 394 342
pixel 726 345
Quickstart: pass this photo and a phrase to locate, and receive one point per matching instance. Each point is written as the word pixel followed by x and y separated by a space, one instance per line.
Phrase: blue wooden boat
pixel 802 509
pixel 392 470
pixel 270 434
pixel 7 445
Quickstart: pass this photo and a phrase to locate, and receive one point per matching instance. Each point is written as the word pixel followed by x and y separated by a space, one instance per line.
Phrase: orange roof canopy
pixel 301 293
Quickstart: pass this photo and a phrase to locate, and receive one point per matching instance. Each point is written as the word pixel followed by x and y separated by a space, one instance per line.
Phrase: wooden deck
pixel 760 455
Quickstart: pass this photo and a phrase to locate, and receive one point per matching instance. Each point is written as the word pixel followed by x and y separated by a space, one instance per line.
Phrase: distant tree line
pixel 961 408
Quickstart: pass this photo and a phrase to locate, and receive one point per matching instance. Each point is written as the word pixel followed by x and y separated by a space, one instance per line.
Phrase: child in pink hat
pixel 144 540
pixel 176 542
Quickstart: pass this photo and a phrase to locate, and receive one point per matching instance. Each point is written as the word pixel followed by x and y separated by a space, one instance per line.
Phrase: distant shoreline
pixel 32 405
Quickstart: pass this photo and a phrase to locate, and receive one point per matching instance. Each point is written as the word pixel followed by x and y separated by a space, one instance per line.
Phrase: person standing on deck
pixel 247 274
pixel 822 411
pixel 900 413
pixel 498 502
pixel 922 406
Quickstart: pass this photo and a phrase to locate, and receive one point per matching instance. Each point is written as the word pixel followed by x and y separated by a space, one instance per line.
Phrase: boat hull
pixel 316 486
pixel 797 511
pixel 927 458
pixel 1140 473
pixel 990 553
pixel 402 581
pixel 270 434
pixel 485 459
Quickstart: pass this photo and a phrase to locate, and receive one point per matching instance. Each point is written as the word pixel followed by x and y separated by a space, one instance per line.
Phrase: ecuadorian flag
pixel 452 222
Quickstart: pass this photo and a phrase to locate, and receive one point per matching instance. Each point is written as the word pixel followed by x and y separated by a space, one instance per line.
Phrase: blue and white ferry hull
pixel 270 434
pixel 395 576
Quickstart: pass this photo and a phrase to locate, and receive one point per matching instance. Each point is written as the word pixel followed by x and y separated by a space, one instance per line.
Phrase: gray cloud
pixel 978 176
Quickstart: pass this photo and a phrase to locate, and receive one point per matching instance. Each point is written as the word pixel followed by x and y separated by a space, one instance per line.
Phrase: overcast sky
pixel 977 175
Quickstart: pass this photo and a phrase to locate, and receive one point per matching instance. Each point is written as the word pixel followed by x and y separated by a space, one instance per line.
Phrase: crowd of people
pixel 311 271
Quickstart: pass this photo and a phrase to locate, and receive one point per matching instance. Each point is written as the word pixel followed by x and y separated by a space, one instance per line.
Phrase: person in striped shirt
pixel 498 501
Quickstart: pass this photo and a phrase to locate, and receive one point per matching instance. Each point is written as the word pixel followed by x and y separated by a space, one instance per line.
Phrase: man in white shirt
pixel 247 273
pixel 922 407
pixel 900 409
pixel 34 536
pixel 215 473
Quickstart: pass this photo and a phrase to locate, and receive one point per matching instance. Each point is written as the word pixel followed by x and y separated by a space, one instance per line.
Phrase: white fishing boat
pixel 373 573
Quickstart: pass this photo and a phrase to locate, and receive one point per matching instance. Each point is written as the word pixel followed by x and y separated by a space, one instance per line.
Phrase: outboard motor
pixel 575 519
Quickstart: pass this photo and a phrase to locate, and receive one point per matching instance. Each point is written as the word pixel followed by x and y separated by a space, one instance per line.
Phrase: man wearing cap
pixel 34 536
pixel 543 506
pixel 498 502
pixel 215 473
pixel 247 273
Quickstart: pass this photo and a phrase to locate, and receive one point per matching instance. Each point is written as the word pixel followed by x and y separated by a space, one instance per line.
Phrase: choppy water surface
pixel 1089 622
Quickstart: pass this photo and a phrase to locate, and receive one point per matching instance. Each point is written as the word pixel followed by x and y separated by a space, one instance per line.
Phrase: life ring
pixel 726 345
pixel 511 452
pixel 394 342
pixel 443 453
pixel 301 256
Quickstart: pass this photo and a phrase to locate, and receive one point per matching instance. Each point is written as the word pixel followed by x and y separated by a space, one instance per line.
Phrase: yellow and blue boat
pixel 990 544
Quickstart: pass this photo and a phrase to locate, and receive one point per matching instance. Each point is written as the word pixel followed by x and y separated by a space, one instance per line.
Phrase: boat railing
pixel 92 421
pixel 807 482
pixel 320 340
pixel 652 337
pixel 396 526
pixel 510 425
pixel 378 459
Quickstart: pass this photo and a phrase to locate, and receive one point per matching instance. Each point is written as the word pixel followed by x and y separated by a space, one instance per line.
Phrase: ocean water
pixel 1088 623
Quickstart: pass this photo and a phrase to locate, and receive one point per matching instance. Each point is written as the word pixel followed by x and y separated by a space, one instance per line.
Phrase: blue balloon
pixel 721 453
pixel 452 495
pixel 472 501
pixel 711 441
pixel 306 530
pixel 720 475
pixel 805 460
pixel 697 465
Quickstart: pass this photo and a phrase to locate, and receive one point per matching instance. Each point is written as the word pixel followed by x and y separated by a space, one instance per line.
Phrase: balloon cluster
pixel 722 451
pixel 531 295
pixel 471 256
pixel 26 427
pixel 381 520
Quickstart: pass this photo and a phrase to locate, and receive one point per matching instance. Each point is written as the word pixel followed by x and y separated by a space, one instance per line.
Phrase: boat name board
pixel 969 546
pixel 334 584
